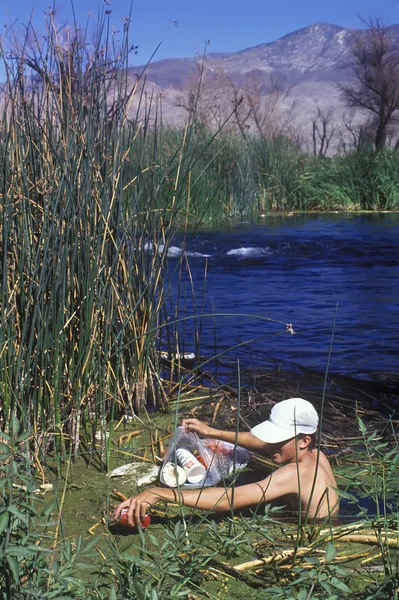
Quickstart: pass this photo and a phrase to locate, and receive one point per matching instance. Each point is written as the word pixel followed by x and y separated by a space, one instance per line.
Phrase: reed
pixel 89 203
pixel 240 178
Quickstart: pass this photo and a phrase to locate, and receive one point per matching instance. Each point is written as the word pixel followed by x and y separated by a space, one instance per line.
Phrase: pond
pixel 303 269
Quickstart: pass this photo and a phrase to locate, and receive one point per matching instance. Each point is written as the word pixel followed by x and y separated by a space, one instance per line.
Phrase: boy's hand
pixel 137 507
pixel 199 427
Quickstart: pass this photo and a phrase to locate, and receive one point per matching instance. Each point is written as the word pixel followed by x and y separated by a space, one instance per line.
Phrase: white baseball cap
pixel 287 419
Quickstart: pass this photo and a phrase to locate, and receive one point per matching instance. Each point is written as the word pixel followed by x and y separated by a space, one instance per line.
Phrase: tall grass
pixel 237 177
pixel 363 180
pixel 88 206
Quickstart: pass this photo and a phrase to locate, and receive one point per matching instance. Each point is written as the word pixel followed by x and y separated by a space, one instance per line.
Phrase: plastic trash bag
pixel 216 456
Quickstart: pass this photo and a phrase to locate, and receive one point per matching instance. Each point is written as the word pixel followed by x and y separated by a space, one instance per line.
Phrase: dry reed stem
pixel 216 410
pixel 181 400
pixel 144 459
pixel 282 556
pixel 343 529
pixel 374 540
pixel 39 466
pixel 358 533
pixel 306 565
pixel 119 423
pixel 355 527
pixel 57 529
pixel 93 527
pixel 263 461
pixel 370 558
pixel 164 437
pixel 217 572
pixel 274 558
pixel 119 495
pixel 183 397
pixel 226 569
pixel 152 447
pixel 126 437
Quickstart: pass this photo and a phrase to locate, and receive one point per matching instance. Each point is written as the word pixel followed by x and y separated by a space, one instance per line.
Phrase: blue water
pixel 299 269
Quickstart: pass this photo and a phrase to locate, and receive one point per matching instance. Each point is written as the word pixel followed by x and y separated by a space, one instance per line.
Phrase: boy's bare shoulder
pixel 285 472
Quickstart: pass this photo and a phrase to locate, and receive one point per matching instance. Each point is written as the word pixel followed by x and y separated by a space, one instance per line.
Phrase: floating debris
pixel 179 356
pixel 100 435
pixel 173 475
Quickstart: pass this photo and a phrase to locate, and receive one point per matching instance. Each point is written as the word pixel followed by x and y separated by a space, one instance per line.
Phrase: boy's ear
pixel 304 442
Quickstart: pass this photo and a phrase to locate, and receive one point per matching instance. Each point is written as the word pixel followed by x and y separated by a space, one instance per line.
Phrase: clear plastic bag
pixel 224 455
pixel 220 460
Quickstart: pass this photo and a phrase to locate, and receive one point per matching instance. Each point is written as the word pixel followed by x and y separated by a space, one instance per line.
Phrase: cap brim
pixel 272 434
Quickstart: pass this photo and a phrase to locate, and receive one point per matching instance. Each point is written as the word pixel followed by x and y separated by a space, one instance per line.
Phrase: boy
pixel 305 481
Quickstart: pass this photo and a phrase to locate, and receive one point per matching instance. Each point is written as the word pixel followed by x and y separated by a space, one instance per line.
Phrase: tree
pixel 356 134
pixel 199 97
pixel 322 133
pixel 205 98
pixel 261 104
pixel 374 62
pixel 242 112
pixel 269 113
pixel 70 70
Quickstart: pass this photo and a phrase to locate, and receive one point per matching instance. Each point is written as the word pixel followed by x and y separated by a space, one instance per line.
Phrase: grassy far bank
pixel 237 177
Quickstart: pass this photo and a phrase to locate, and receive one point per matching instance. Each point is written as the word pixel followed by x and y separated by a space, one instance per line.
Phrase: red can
pixel 123 519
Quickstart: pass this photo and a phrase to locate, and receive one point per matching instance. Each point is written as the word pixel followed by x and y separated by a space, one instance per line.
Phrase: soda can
pixel 123 519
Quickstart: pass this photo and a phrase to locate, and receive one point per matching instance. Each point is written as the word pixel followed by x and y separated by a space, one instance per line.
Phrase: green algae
pixel 85 495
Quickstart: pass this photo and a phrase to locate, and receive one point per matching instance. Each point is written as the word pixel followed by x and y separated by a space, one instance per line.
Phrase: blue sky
pixel 183 25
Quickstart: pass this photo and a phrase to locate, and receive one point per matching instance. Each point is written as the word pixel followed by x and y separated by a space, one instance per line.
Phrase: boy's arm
pixel 276 485
pixel 243 438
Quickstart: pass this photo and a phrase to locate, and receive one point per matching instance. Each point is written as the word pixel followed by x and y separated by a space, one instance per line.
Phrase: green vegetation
pixel 189 555
pixel 90 198
pixel 236 177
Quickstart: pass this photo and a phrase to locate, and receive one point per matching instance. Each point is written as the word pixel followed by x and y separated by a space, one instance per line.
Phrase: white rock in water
pixel 128 469
pixel 149 476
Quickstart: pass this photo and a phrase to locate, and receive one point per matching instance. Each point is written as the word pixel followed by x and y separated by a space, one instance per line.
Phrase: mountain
pixel 307 64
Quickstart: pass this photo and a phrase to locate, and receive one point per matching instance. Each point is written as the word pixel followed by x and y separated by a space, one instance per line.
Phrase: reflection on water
pixel 297 269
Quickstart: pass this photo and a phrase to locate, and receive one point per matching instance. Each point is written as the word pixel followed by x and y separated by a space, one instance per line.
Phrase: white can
pixel 173 475
pixel 194 470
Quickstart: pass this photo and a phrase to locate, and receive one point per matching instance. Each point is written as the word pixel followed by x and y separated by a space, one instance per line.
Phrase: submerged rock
pixel 149 476
pixel 145 474
pixel 124 470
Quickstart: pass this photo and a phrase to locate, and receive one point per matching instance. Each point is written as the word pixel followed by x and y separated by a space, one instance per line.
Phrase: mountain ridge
pixel 310 61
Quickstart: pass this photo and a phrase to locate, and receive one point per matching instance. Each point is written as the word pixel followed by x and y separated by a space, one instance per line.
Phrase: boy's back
pixel 297 479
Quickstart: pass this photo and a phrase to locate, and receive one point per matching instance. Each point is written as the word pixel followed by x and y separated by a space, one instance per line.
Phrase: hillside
pixel 300 71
